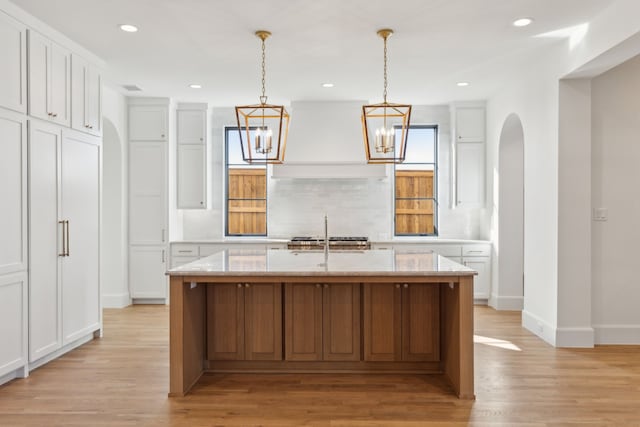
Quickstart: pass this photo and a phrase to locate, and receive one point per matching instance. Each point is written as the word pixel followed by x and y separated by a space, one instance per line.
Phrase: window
pixel 416 206
pixel 246 192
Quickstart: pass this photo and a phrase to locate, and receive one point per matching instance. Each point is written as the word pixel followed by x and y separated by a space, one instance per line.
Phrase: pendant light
pixel 263 127
pixel 385 126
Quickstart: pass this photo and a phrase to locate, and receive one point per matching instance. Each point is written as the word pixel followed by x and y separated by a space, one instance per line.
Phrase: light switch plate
pixel 600 214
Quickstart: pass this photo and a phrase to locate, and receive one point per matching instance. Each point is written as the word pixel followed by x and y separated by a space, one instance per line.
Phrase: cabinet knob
pixel 406 285
pixel 201 139
pixel 318 285
pixel 162 136
pixel 326 286
pixel 239 285
pixel 54 115
pixel 398 286
pixel 246 285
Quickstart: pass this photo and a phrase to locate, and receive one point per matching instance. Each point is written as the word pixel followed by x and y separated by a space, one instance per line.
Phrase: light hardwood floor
pixel 122 380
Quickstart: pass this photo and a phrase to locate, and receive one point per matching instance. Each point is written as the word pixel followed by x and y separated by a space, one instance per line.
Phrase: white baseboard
pixel 65 349
pixel 116 300
pixel 21 372
pixel 575 337
pixel 539 327
pixel 617 334
pixel 506 303
pixel 153 301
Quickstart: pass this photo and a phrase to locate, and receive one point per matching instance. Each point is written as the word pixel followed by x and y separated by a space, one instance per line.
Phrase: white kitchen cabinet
pixel 147 267
pixel 148 193
pixel 470 123
pixel 13 67
pixel 13 323
pixel 470 167
pixel 192 123
pixel 13 192
pixel 148 122
pixel 80 202
pixel 481 282
pixel 191 175
pixel 86 96
pixel 49 80
pixel 177 261
pixel 64 197
pixel 148 200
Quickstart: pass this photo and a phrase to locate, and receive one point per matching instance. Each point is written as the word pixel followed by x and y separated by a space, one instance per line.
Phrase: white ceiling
pixel 436 44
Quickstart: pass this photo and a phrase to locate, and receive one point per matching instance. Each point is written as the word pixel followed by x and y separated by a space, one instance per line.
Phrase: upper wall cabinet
pixel 49 80
pixel 13 66
pixel 469 155
pixel 470 124
pixel 86 94
pixel 192 155
pixel 147 123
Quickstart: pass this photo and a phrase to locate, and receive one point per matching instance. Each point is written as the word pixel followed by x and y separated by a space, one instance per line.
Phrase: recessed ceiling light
pixel 327 84
pixel 463 84
pixel 194 86
pixel 129 28
pixel 522 22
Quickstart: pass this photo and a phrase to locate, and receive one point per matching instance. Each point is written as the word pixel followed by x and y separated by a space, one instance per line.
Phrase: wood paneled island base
pixel 232 313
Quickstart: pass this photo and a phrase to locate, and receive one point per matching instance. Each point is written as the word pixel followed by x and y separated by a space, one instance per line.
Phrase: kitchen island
pixel 372 311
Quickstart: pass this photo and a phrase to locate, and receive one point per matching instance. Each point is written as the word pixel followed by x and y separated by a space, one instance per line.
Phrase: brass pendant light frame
pixel 398 114
pixel 252 118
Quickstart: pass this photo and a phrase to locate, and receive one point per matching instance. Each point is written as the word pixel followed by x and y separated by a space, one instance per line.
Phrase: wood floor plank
pixel 122 380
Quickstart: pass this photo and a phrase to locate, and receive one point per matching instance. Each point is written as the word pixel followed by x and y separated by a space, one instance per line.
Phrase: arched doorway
pixel 112 249
pixel 510 293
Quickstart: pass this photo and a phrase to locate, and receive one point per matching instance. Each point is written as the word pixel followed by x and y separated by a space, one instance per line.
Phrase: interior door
pixel 80 208
pixel 45 240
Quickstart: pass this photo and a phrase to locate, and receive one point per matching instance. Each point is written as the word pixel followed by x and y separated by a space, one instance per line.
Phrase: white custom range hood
pixel 325 141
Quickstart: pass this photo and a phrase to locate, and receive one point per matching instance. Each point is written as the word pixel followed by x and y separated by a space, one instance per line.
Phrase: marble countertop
pixel 398 240
pixel 253 262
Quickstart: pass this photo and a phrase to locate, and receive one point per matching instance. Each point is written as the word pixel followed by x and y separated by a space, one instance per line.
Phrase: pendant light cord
pixel 263 98
pixel 384 93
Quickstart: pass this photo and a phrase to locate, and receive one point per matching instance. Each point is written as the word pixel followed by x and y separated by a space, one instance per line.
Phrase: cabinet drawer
pixel 447 250
pixel 183 249
pixel 177 261
pixel 476 250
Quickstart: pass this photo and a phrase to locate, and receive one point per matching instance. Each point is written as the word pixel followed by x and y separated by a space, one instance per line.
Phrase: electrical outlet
pixel 600 214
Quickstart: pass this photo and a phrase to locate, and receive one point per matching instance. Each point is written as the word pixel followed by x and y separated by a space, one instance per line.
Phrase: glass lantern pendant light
pixel 263 127
pixel 385 126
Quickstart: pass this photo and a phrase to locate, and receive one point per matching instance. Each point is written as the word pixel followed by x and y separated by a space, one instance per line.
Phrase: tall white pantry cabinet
pixel 148 199
pixel 50 189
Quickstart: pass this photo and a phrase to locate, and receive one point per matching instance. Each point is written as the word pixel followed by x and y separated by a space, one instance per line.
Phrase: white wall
pixel 532 91
pixel 615 178
pixel 113 245
pixel 355 206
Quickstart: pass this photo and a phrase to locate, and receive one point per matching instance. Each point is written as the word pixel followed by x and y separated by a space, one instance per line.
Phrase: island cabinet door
pixel 263 321
pixel 341 321
pixel 420 322
pixel 225 321
pixel 382 322
pixel 303 321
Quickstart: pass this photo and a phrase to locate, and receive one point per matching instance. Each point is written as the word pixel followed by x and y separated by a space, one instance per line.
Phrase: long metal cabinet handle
pixel 163 256
pixel 68 245
pixel 64 240
pixel 163 235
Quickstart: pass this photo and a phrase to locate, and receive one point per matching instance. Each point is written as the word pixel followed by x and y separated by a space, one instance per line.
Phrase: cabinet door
pixel 81 208
pixel 13 322
pixel 191 176
pixel 93 100
pixel 59 69
pixel 481 282
pixel 382 322
pixel 470 174
pixel 45 240
pixel 39 53
pixel 147 193
pixel 303 321
pixel 13 68
pixel 13 192
pixel 191 126
pixel 78 98
pixel 147 123
pixel 341 321
pixel 420 322
pixel 147 267
pixel 470 124
pixel 225 322
pixel 263 321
